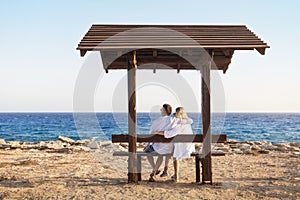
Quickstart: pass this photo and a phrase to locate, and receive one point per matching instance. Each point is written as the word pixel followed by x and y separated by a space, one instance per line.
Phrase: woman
pixel 181 150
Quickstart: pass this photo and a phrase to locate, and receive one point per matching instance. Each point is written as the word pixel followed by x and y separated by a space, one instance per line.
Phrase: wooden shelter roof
pixel 157 44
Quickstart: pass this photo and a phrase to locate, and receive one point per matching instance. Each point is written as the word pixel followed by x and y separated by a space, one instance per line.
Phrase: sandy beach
pixel 60 170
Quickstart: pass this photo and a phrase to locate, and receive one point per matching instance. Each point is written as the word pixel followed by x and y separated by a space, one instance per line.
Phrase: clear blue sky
pixel 39 63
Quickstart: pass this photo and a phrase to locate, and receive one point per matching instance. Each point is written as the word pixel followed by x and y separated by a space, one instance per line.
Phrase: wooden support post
pixel 197 161
pixel 132 160
pixel 139 168
pixel 206 115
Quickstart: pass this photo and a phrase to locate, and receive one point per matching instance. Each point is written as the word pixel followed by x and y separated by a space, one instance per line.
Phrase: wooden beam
pixel 206 117
pixel 262 51
pixel 154 53
pixel 228 52
pixel 178 68
pixel 119 53
pixel 132 161
pixel 82 52
pixel 225 69
pixel 186 138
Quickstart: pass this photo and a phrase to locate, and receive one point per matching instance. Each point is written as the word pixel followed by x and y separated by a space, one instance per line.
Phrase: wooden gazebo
pixel 132 47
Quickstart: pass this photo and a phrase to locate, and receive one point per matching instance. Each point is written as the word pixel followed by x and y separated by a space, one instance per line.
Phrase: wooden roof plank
pixel 222 39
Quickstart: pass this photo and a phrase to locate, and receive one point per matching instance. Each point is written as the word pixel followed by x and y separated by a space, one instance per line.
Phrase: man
pixel 160 124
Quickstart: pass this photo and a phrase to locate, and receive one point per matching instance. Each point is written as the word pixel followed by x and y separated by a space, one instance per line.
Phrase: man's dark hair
pixel 168 109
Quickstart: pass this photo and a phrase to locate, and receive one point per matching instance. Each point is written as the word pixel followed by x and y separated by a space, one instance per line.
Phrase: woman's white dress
pixel 181 150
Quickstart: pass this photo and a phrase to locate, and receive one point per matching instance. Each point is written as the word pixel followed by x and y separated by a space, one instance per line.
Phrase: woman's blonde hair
pixel 180 111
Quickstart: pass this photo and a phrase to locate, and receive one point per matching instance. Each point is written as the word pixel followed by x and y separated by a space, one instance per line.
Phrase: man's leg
pixel 158 163
pixel 151 161
pixel 156 167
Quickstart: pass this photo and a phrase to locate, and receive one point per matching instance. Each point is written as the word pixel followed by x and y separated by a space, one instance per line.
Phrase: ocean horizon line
pixel 248 112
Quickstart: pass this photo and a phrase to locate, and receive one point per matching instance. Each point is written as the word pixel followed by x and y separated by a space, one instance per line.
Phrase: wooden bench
pixel 195 138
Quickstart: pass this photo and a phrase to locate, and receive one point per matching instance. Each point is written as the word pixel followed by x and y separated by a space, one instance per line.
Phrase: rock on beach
pixel 64 145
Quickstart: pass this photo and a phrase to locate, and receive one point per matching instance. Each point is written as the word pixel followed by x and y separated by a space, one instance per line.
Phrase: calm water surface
pixel 33 127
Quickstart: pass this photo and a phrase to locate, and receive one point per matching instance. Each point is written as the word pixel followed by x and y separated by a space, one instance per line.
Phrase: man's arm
pixel 154 126
pixel 172 132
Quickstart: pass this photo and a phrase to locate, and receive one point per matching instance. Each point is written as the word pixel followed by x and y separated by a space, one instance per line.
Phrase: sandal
pixel 164 174
pixel 151 179
pixel 156 173
pixel 174 178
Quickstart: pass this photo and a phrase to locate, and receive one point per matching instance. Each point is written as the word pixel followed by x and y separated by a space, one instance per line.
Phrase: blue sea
pixel 34 127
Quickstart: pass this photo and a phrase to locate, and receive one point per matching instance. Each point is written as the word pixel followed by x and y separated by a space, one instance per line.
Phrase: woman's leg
pixel 175 177
pixel 167 160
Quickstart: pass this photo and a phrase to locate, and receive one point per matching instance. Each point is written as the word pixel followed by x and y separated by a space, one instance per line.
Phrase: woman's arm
pixel 158 133
pixel 174 122
pixel 185 121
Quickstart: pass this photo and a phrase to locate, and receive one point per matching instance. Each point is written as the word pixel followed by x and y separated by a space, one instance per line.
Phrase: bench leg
pixel 139 168
pixel 197 160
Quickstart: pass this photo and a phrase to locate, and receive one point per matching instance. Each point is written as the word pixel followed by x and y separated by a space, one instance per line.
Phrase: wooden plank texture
pixel 132 161
pixel 206 118
pixel 236 37
pixel 184 138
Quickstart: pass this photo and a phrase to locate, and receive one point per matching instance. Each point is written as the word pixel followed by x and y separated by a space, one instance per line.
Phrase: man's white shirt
pixel 162 124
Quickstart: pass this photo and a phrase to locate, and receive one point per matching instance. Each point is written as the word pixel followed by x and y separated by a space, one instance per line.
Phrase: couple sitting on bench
pixel 169 126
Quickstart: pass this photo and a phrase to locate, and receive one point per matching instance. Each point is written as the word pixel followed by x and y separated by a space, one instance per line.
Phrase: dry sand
pixel 96 174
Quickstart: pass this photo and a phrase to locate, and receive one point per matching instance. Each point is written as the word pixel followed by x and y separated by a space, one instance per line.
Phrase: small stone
pixel 270 147
pixel 106 143
pixel 15 145
pixel 234 146
pixel 250 143
pixel 125 145
pixel 84 142
pixel 2 141
pixel 231 141
pixel 93 144
pixel 263 151
pixel 80 148
pixel 295 144
pixel 296 155
pixel 237 151
pixel 296 149
pixel 224 149
pixel 4 146
pixel 262 142
pixel 66 139
pixel 56 145
pixel 244 147
pixel 219 145
pixel 248 151
pixel 255 147
pixel 283 149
